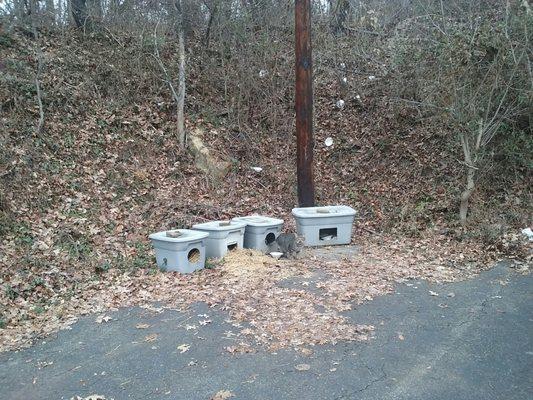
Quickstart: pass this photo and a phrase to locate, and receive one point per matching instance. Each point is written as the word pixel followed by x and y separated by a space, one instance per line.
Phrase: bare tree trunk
pixel 60 14
pixel 180 101
pixel 50 12
pixel 465 195
pixel 34 15
pixel 94 8
pixel 339 16
pixel 79 13
pixel 39 54
pixel 68 13
pixel 181 91
pixel 179 94
pixel 471 157
pixel 212 15
pixel 20 9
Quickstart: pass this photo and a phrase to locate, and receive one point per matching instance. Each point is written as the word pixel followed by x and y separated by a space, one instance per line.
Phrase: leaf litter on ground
pixel 222 395
pixel 248 286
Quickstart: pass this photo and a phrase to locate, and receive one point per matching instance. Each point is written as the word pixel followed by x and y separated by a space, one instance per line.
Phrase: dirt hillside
pixel 79 197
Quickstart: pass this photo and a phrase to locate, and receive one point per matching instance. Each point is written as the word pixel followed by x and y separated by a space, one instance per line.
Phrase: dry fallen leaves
pixel 103 318
pixel 250 287
pixel 302 367
pixel 183 348
pixel 44 364
pixel 306 352
pixel 222 395
pixel 151 338
pixel 85 202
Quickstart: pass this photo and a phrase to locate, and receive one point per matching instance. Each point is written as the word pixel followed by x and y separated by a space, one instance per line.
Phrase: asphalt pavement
pixel 472 341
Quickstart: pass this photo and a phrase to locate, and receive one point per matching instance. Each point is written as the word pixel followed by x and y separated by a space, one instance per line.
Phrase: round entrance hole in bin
pixel 193 256
pixel 270 238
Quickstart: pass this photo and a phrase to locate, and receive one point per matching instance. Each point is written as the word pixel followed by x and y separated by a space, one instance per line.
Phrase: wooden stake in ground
pixel 304 104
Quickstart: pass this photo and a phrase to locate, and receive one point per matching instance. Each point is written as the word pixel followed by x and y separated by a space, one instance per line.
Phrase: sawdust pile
pixel 248 264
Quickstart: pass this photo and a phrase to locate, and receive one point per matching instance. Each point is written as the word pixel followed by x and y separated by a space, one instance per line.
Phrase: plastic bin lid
pixel 219 226
pixel 323 212
pixel 259 220
pixel 182 235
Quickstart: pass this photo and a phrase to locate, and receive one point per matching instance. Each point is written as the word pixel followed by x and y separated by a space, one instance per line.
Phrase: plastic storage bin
pixel 260 231
pixel 324 226
pixel 181 250
pixel 223 236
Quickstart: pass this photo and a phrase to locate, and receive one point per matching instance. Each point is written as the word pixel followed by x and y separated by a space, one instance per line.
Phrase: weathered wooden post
pixel 304 104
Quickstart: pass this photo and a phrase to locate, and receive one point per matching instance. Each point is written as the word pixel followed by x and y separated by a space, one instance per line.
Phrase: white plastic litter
pixel 529 233
pixel 263 73
pixel 371 77
pixel 340 104
pixel 328 142
pixel 257 169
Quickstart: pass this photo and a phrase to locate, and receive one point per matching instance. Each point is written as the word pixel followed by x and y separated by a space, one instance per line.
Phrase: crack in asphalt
pixel 381 378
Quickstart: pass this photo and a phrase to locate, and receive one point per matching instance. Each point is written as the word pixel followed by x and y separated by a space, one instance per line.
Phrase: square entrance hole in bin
pixel 327 234
pixel 232 246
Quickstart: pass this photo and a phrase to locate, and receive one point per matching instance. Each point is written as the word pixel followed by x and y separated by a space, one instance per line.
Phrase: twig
pixel 114 37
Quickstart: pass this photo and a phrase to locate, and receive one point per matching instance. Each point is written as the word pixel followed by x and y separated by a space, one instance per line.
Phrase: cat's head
pixel 299 243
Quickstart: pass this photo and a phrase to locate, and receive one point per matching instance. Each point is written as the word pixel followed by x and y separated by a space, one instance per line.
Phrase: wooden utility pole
pixel 304 104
